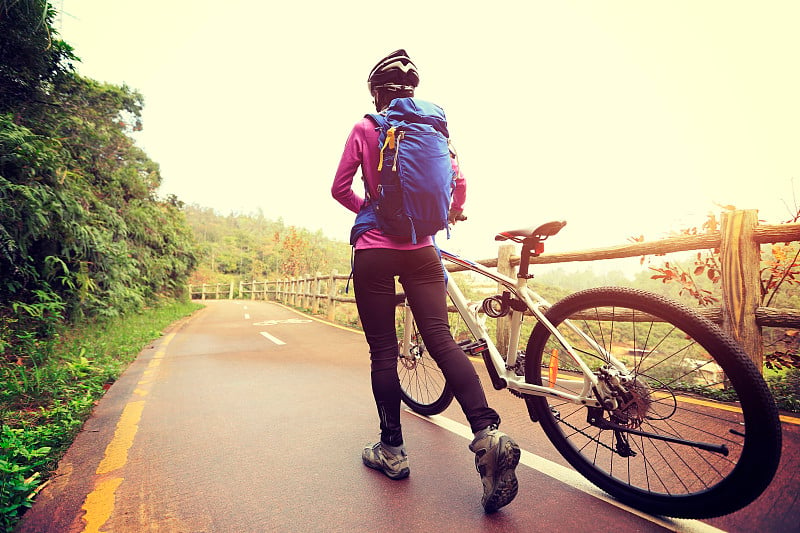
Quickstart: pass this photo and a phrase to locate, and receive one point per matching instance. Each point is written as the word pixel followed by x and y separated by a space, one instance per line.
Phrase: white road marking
pixel 576 481
pixel 247 316
pixel 271 338
pixel 284 321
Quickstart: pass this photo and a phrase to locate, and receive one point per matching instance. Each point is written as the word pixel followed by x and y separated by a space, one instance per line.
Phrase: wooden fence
pixel 739 241
pixel 213 291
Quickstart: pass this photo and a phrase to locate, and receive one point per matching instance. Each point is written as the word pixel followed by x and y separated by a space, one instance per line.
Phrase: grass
pixel 45 398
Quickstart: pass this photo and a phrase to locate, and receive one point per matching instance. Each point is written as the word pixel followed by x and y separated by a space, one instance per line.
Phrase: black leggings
pixel 422 276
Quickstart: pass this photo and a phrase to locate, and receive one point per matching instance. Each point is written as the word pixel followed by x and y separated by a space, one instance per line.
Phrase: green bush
pixel 20 457
pixel 786 389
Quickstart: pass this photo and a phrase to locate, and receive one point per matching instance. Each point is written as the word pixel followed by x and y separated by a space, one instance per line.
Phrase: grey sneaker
pixel 496 457
pixel 394 465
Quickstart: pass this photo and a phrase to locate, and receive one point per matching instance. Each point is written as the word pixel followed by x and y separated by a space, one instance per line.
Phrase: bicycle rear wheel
pixel 423 387
pixel 689 430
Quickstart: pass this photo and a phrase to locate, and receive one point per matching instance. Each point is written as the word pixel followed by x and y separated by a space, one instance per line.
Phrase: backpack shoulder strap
pixel 378 119
pixel 382 125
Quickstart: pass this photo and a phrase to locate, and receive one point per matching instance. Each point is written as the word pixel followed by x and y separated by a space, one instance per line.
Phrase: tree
pixel 32 58
pixel 82 230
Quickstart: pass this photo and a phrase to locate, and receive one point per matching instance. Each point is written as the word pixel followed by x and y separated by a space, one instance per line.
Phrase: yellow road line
pixel 99 504
pixel 789 419
pixel 732 408
pixel 117 450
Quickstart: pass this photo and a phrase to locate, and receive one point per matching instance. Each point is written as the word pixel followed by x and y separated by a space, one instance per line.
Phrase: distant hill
pixel 250 246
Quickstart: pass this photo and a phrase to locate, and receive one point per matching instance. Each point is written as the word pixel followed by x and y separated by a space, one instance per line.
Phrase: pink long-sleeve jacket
pixel 361 150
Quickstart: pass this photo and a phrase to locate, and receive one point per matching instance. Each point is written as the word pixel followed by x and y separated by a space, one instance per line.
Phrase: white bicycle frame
pixel 504 366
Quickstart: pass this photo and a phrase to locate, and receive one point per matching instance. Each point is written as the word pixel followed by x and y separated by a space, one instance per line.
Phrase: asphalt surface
pixel 249 417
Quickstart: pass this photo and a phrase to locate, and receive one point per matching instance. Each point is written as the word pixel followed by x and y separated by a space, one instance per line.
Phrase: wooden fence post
pixel 331 312
pixel 315 291
pixel 504 267
pixel 741 281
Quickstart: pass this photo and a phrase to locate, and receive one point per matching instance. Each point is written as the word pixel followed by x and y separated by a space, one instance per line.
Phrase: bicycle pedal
pixel 474 348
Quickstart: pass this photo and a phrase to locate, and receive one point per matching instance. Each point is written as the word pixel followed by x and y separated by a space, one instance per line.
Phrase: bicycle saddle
pixel 544 231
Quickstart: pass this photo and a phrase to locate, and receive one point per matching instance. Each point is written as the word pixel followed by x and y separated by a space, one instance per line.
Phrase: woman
pixel 378 258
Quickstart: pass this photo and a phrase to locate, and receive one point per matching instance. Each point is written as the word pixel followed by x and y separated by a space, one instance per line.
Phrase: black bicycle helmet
pixel 394 72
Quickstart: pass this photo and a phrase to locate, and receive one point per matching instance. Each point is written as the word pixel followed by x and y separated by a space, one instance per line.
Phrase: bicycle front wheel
pixel 423 387
pixel 687 426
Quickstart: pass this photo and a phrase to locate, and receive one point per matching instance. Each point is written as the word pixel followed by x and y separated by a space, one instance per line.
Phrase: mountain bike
pixel 651 402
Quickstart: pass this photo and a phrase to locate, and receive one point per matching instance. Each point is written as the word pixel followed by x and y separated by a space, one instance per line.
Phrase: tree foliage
pixel 32 58
pixel 82 230
pixel 252 247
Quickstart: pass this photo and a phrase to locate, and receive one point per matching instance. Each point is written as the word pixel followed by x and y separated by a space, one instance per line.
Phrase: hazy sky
pixel 621 117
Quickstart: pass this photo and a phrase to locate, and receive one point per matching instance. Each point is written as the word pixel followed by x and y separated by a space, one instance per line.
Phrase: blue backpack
pixel 416 174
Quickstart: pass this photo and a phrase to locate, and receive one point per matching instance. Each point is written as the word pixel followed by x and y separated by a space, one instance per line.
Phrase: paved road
pixel 250 417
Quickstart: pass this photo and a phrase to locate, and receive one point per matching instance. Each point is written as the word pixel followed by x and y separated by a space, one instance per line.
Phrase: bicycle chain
pixel 522 395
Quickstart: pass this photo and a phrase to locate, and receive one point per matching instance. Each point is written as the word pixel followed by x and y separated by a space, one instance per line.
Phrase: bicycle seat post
pixel 530 246
pixel 532 242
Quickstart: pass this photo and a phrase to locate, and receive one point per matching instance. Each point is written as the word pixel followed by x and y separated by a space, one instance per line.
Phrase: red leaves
pixel 780 267
pixel 675 273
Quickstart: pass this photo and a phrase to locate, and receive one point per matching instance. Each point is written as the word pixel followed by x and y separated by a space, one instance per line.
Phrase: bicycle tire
pixel 423 387
pixel 658 476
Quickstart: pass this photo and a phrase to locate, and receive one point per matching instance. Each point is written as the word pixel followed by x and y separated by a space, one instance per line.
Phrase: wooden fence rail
pixel 211 291
pixel 738 241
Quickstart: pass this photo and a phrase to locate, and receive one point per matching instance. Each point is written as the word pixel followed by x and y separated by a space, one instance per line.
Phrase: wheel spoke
pixel 422 385
pixel 673 430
